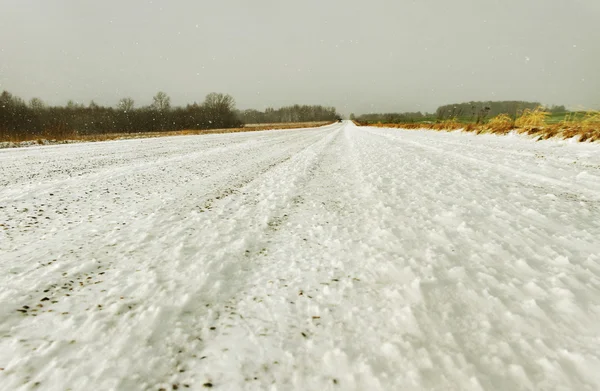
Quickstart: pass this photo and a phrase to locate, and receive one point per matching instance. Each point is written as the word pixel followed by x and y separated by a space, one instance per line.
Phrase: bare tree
pixel 37 104
pixel 161 102
pixel 126 105
pixel 71 104
pixel 221 110
pixel 219 103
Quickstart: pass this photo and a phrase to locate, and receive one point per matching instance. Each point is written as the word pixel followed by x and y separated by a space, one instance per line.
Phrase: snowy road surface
pixel 320 259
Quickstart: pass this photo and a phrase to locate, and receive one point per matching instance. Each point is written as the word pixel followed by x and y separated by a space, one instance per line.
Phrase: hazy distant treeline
pixel 20 120
pixel 481 110
pixel 469 111
pixel 295 113
pixel 390 118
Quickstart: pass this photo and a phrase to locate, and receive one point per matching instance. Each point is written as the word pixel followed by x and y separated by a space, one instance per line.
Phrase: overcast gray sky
pixel 360 56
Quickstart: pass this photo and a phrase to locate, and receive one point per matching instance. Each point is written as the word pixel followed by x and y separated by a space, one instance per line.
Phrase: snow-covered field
pixel 336 258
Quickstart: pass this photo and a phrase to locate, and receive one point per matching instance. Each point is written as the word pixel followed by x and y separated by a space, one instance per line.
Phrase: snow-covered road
pixel 336 258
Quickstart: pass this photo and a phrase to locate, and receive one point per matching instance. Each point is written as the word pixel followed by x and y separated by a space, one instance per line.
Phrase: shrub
pixel 502 124
pixel 532 119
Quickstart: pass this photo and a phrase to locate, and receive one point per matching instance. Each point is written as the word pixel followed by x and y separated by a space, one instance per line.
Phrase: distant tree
pixel 295 113
pixel 390 118
pixel 71 104
pixel 126 105
pixel 161 102
pixel 251 116
pixel 482 114
pixel 15 116
pixel 37 104
pixel 7 100
pixel 220 109
pixel 557 109
pixel 481 110
pixel 219 102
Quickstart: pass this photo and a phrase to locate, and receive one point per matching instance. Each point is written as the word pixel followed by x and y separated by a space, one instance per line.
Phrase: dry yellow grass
pixel 283 125
pixel 532 119
pixel 501 124
pixel 531 122
pixel 449 124
pixel 587 129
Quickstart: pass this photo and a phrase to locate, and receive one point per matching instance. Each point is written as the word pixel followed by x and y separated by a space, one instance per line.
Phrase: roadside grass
pixel 282 125
pixel 63 136
pixel 532 119
pixel 582 125
pixel 501 124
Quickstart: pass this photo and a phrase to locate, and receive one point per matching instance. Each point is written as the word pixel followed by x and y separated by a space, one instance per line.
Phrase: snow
pixel 313 259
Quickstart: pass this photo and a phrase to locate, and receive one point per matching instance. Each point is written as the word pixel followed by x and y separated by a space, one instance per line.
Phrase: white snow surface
pixel 333 258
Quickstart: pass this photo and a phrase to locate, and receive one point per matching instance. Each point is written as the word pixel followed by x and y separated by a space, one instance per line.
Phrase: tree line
pixel 392 118
pixel 476 112
pixel 479 111
pixel 20 120
pixel 295 113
